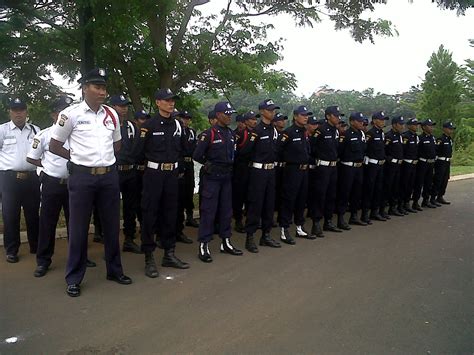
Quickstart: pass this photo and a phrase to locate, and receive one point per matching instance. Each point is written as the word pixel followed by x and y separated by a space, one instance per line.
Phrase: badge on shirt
pixel 62 120
pixel 36 142
pixel 203 137
pixel 143 132
pixel 284 137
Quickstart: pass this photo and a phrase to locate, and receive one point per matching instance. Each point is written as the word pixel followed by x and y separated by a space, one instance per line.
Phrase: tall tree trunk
pixel 87 40
pixel 133 91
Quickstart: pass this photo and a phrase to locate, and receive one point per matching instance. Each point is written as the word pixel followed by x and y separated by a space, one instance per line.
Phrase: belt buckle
pixel 303 166
pixel 188 159
pixel 101 170
pixel 21 175
pixel 332 163
pixel 167 166
pixel 357 165
pixel 381 162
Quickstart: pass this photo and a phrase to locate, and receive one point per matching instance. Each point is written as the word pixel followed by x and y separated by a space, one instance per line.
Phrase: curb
pixel 461 177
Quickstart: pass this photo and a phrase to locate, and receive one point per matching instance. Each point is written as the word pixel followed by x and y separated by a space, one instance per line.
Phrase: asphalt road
pixel 400 287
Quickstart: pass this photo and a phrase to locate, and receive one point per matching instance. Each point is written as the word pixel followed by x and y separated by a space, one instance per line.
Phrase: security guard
pixel 54 195
pixel 444 153
pixel 20 184
pixel 324 149
pixel 373 169
pixel 424 168
pixel 351 150
pixel 279 122
pixel 240 175
pixel 311 127
pixel 93 132
pixel 191 140
pixel 261 187
pixel 394 159
pixel 127 172
pixel 161 143
pixel 215 150
pixel 293 149
pixel 410 159
pixel 140 118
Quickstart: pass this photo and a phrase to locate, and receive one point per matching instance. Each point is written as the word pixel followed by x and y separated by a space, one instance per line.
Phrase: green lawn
pixel 461 170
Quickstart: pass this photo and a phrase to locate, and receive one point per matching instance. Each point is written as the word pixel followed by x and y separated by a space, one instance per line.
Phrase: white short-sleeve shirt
pixel 14 146
pixel 53 164
pixel 90 135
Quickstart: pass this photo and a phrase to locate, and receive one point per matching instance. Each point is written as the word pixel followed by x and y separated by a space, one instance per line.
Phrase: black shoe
pixel 329 227
pixel 427 203
pixel 394 212
pixel 121 279
pixel 90 263
pixel 377 217
pixel 354 220
pixel 383 214
pixel 98 239
pixel 301 233
pixel 40 271
pixel 341 224
pixel 365 217
pixel 130 246
pixel 182 238
pixel 12 258
pixel 416 206
pixel 442 201
pixel 239 227
pixel 204 253
pixel 191 222
pixel 228 248
pixel 170 260
pixel 268 241
pixel 73 290
pixel 408 208
pixel 159 245
pixel 286 237
pixel 316 230
pixel 150 266
pixel 402 210
pixel 436 203
pixel 250 244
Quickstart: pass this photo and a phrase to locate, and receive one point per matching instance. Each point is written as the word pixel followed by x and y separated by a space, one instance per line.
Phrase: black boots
pixel 170 260
pixel 441 200
pixel 228 248
pixel 239 226
pixel 301 233
pixel 268 241
pixel 406 207
pixel 416 206
pixel 365 217
pixel 204 253
pixel 342 224
pixel 250 244
pixel 286 237
pixel 330 227
pixel 182 238
pixel 393 211
pixel 316 230
pixel 130 246
pixel 427 203
pixel 354 220
pixel 150 266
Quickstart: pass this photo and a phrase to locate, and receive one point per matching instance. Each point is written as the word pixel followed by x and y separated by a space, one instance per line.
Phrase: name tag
pixel 158 133
pixel 353 139
pixel 327 137
pixel 296 139
pixel 411 142
pixel 395 142
pixel 83 122
pixel 217 141
pixel 376 139
pixel 9 140
pixel 264 137
pixel 426 142
pixel 447 143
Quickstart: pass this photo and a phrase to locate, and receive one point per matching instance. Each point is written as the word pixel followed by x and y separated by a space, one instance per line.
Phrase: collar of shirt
pixel 86 108
pixel 12 126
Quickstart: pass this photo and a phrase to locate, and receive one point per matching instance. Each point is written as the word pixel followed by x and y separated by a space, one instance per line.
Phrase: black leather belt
pixel 125 167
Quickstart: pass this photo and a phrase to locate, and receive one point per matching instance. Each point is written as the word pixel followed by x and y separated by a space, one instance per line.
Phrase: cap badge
pixel 101 72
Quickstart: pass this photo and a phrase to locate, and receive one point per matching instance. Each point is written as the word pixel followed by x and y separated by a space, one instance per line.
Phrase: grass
pixel 461 170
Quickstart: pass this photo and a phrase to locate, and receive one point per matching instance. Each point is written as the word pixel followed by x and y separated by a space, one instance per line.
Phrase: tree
pixel 441 88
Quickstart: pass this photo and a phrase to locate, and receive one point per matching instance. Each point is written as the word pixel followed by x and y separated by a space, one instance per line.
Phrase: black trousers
pixel 139 196
pixel 423 180
pixel 189 184
pixel 373 181
pixel 215 206
pixel 323 202
pixel 18 193
pixel 349 189
pixel 311 193
pixel 293 195
pixel 85 191
pixel 240 180
pixel 391 184
pixel 181 203
pixel 54 197
pixel 261 200
pixel 159 208
pixel 407 181
pixel 442 170
pixel 128 188
pixel 278 187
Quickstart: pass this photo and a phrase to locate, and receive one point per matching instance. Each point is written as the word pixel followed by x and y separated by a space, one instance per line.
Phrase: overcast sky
pixel 322 56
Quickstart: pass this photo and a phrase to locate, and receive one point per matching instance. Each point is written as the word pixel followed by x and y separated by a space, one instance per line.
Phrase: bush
pixel 464 156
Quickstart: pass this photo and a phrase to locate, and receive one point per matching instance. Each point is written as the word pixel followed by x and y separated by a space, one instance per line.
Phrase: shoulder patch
pixel 36 142
pixel 203 137
pixel 284 137
pixel 143 132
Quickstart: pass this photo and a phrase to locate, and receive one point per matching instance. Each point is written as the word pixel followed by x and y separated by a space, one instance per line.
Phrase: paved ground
pixel 404 287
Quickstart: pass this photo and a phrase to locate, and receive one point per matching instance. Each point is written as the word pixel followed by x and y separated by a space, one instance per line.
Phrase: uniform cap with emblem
pixel 268 105
pixel 142 114
pixel 449 124
pixel 17 104
pixel 61 103
pixel 239 118
pixel 342 123
pixel 379 115
pixel 119 100
pixel 413 121
pixel 250 115
pixel 312 120
pixel 357 116
pixel 279 117
pixel 333 110
pixel 165 94
pixel 185 114
pixel 224 107
pixel 321 121
pixel 302 110
pixel 428 122
pixel 175 113
pixel 96 75
pixel 398 119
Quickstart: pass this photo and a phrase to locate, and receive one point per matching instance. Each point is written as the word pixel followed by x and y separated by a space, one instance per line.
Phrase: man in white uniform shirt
pixel 93 133
pixel 20 187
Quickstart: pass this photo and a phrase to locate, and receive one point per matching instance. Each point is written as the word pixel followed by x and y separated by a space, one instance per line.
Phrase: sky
pixel 323 56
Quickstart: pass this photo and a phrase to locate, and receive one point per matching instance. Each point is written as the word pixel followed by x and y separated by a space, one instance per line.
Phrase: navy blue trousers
pixel 128 188
pixel 349 189
pixel 17 193
pixel 240 182
pixel 323 202
pixel 293 195
pixel 159 208
pixel 216 205
pixel 391 184
pixel 261 200
pixel 85 191
pixel 373 181
pixel 407 181
pixel 423 180
pixel 54 197
pixel 440 178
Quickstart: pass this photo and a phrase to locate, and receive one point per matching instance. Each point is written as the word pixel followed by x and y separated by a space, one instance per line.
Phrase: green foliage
pixel 464 157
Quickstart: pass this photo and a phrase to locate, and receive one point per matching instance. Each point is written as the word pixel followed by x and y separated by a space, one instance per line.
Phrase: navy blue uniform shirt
pixel 352 146
pixel 410 145
pixel 129 132
pixel 190 140
pixel 216 146
pixel 393 145
pixel 293 145
pixel 427 146
pixel 264 138
pixel 444 146
pixel 324 146
pixel 375 144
